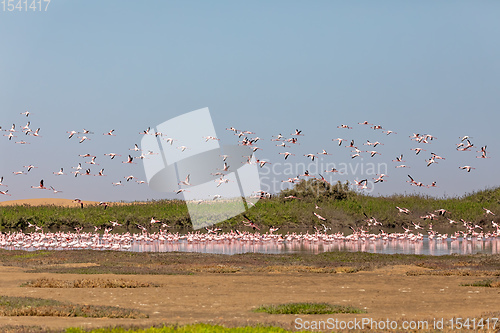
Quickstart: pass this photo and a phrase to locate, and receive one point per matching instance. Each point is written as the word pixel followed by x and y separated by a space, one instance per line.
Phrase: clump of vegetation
pixel 87 283
pixel 194 328
pixel 187 263
pixel 29 306
pixel 484 283
pixel 308 308
pixel 340 205
pixel 319 189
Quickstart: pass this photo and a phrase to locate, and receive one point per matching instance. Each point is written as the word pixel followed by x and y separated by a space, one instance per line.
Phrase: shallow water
pixel 425 247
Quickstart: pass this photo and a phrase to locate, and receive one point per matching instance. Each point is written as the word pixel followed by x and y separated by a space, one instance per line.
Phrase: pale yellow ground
pixel 230 298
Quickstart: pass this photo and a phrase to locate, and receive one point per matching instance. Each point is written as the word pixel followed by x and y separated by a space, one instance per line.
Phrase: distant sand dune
pixel 47 202
pixel 59 202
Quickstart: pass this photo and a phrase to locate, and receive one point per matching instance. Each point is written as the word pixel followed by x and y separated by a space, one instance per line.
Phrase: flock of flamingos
pixel 34 237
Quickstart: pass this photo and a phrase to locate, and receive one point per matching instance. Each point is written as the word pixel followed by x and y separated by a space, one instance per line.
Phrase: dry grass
pixel 296 269
pixel 29 306
pixel 457 272
pixel 215 269
pixel 87 283
pixel 111 262
pixel 484 283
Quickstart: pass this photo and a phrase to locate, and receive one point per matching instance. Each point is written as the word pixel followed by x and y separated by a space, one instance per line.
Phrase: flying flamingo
pixel 319 216
pixel 417 150
pixel 403 210
pixel 311 156
pixel 112 155
pixel 35 133
pixel 10 136
pixel 399 158
pixel 339 140
pixel 186 181
pixel 83 138
pixel 262 163
pixel 54 190
pixel 71 133
pixel 249 223
pixel 128 178
pixel 40 186
pixel 487 211
pixel 130 160
pixel 110 133
pixel 59 173
pixel 466 167
pixel 323 153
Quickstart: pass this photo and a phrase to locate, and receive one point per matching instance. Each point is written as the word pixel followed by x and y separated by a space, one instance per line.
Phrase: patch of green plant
pixel 195 328
pixel 31 255
pixel 308 308
pixel 340 205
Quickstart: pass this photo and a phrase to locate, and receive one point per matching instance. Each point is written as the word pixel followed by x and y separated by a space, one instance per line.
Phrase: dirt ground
pixel 385 293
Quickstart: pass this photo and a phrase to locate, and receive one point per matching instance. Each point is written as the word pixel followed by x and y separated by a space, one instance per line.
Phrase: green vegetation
pixel 341 207
pixel 201 328
pixel 308 308
pixel 29 306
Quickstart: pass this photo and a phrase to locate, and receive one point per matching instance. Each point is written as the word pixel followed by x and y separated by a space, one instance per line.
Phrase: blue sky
pixel 265 66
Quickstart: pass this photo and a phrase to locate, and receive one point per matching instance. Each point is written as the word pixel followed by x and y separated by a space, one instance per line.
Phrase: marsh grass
pixel 308 308
pixel 455 272
pixel 29 306
pixel 341 207
pixel 220 268
pixel 167 263
pixel 26 329
pixel 484 283
pixel 87 283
